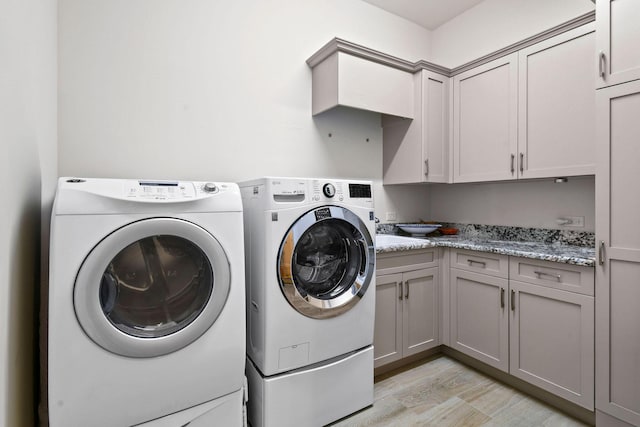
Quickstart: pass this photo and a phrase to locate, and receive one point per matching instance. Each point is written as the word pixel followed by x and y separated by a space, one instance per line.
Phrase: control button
pixel 341 198
pixel 329 190
pixel 209 187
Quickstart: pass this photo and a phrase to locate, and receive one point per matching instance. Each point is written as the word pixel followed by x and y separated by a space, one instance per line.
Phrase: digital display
pixel 158 183
pixel 359 191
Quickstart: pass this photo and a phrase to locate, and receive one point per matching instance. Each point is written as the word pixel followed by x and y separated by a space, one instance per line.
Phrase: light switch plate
pixel 391 216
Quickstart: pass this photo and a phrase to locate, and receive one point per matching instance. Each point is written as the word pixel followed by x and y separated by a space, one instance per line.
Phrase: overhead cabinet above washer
pixel 341 79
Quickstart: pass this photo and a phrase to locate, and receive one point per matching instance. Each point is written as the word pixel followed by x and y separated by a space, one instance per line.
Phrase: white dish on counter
pixel 418 229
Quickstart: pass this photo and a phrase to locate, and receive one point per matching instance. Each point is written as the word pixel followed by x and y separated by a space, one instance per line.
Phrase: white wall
pixel 28 138
pixel 201 89
pixel 527 204
pixel 495 24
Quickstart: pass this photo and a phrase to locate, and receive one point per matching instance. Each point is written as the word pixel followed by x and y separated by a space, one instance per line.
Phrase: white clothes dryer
pixel 146 303
pixel 310 262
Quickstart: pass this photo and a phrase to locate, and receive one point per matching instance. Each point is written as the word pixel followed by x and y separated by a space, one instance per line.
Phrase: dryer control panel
pixel 151 190
pixel 159 190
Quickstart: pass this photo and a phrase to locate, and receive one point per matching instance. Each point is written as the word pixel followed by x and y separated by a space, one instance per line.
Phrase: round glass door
pixel 326 262
pixel 152 287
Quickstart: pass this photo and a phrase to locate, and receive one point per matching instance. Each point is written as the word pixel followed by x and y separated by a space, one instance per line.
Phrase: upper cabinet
pixel 617 47
pixel 341 79
pixel 557 107
pixel 530 114
pixel 526 111
pixel 418 150
pixel 485 107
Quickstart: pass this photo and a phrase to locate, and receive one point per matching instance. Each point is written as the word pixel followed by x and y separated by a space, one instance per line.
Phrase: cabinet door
pixel 485 115
pixel 387 339
pixel 618 36
pixel 552 341
pixel 557 106
pixel 418 150
pixel 346 80
pixel 618 270
pixel 479 319
pixel 420 311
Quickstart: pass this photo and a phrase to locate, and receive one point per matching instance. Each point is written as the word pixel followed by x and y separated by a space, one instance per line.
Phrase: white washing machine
pixel 310 262
pixel 146 304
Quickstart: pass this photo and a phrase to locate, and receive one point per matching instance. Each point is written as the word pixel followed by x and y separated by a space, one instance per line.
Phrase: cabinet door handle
pixel 426 167
pixel 513 160
pixel 542 273
pixel 602 61
pixel 513 300
pixel 521 162
pixel 401 291
pixel 501 297
pixel 473 261
pixel 406 292
pixel 601 253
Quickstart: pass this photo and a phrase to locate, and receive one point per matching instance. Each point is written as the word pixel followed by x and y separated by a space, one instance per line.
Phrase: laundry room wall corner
pixel 28 113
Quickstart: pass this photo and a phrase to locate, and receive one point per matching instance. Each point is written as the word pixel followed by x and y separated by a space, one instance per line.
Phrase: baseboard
pixel 393 368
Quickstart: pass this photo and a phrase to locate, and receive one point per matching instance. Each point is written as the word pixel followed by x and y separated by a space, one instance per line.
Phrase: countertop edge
pixel 564 259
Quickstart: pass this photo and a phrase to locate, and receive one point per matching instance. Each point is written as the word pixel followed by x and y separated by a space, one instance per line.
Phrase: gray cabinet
pixel 530 114
pixel 539 328
pixel 618 238
pixel 417 150
pixel 345 80
pixel 551 330
pixel 618 40
pixel 557 108
pixel 479 317
pixel 407 306
pixel 485 119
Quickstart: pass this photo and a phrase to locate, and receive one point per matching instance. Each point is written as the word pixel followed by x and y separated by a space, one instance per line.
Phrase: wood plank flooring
pixel 443 392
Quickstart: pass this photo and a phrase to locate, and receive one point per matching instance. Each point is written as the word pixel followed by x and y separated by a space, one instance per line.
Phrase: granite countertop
pixel 556 252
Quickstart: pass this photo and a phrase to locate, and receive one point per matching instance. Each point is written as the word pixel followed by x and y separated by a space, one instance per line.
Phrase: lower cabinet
pixel 407 301
pixel 479 317
pixel 539 328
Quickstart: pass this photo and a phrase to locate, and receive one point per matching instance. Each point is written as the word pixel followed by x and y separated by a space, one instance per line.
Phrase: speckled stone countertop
pixel 555 251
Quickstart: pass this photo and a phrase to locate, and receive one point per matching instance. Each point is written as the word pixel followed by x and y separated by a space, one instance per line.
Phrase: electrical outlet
pixel 391 216
pixel 571 221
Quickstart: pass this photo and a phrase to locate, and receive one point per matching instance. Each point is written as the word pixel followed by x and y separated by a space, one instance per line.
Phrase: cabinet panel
pixel 346 80
pixel 480 262
pixel 552 341
pixel 568 277
pixel 624 339
pixel 485 121
pixel 417 150
pixel 387 339
pixel 618 270
pixel 618 39
pixel 420 317
pixel 397 262
pixel 556 116
pixel 479 320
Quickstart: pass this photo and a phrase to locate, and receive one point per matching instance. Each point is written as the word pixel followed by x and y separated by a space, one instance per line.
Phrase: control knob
pixel 329 190
pixel 209 187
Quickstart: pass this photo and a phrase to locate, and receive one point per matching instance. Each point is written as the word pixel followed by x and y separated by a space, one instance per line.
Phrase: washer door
pixel 326 262
pixel 152 287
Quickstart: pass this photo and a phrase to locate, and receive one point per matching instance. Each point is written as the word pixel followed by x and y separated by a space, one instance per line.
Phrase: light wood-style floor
pixel 443 392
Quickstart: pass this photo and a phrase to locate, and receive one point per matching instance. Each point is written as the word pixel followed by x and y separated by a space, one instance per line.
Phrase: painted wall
pixel 29 169
pixel 200 89
pixel 528 203
pixel 495 24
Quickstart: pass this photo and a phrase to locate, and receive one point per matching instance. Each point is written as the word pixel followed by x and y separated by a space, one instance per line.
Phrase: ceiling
pixel 429 14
